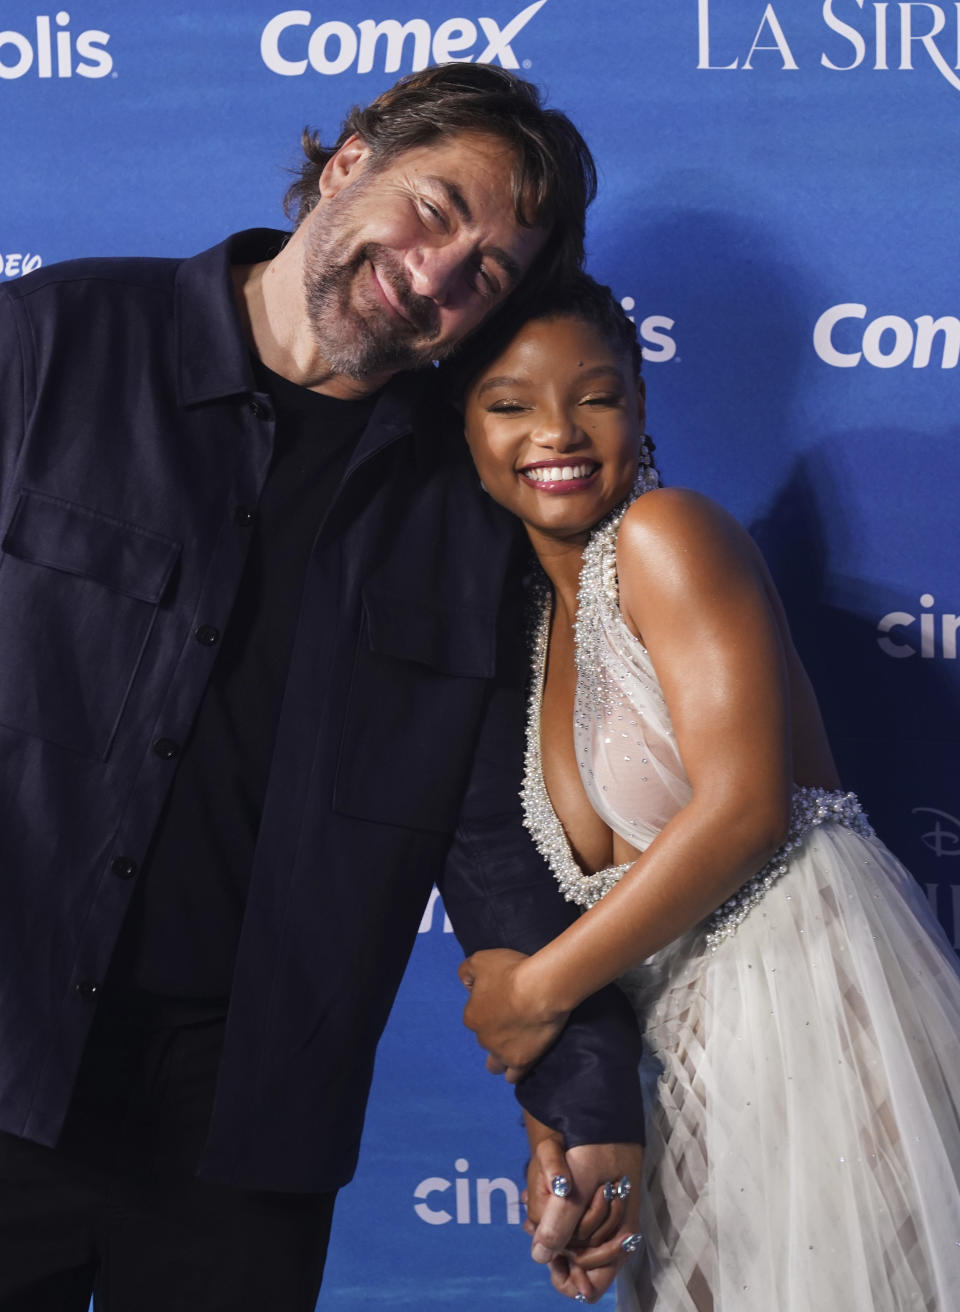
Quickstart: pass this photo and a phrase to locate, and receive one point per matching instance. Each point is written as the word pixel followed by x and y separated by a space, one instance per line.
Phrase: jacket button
pixel 167 749
pixel 124 867
pixel 88 989
pixel 207 635
pixel 243 516
pixel 258 409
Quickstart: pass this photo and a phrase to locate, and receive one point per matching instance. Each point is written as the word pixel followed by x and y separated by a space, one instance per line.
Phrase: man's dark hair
pixel 555 178
pixel 576 297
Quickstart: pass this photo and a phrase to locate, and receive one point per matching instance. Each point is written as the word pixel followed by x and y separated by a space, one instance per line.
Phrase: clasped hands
pixel 579 1235
pixel 585 1237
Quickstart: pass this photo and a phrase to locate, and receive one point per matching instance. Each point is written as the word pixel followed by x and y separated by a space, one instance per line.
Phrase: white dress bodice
pixel 625 745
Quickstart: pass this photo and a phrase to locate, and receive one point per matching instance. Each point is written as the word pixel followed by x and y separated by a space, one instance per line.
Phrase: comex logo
pixel 894 641
pixel 887 341
pixel 13 264
pixel 54 53
pixel 471 1198
pixel 334 46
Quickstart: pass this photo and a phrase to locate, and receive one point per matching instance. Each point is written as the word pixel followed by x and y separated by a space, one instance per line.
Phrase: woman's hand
pixel 510 1020
pixel 580 1232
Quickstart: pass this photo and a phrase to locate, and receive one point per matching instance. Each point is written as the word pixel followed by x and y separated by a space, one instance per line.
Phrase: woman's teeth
pixel 558 473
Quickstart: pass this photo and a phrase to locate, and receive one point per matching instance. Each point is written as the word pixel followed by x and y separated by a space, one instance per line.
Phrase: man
pixel 259 690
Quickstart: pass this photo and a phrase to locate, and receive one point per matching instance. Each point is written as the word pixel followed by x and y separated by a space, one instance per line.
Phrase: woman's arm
pixel 694 586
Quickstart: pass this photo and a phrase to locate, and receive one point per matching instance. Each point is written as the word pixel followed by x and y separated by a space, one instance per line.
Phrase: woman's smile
pixel 560 477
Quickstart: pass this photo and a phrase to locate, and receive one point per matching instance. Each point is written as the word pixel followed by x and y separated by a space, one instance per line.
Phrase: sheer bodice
pixel 625 745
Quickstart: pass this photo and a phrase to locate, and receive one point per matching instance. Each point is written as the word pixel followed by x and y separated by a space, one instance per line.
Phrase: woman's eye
pixel 505 407
pixel 606 399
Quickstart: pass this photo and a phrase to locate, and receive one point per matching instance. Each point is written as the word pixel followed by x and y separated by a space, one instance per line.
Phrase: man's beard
pixel 357 335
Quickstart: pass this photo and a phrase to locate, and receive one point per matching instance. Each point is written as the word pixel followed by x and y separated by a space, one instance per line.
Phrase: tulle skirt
pixel 804 1143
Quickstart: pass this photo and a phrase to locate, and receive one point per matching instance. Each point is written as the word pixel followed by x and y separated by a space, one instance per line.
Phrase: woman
pixel 804 1148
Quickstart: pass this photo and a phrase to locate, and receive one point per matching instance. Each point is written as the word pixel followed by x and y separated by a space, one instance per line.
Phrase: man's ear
pixel 341 169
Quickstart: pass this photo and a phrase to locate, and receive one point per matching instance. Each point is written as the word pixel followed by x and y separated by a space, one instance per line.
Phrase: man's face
pixel 403 260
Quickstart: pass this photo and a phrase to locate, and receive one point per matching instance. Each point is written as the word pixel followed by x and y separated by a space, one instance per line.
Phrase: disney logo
pixel 944 838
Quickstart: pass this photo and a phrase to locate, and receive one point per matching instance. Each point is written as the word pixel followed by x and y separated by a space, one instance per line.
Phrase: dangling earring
pixel 647 476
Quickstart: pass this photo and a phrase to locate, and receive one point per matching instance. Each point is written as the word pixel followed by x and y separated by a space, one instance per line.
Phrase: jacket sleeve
pixel 12 387
pixel 498 892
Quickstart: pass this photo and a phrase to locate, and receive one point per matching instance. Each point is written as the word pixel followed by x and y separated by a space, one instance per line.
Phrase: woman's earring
pixel 647 476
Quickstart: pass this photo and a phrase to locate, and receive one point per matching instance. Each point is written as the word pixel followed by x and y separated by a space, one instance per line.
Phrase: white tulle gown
pixel 804 1143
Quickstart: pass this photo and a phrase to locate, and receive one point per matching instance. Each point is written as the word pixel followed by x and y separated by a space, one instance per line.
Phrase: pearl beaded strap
pixel 539 817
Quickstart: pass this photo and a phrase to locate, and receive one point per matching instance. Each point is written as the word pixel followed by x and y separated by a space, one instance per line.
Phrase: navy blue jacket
pixel 133 447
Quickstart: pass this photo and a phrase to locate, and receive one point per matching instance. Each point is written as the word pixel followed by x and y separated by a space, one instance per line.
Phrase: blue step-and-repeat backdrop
pixel 780 186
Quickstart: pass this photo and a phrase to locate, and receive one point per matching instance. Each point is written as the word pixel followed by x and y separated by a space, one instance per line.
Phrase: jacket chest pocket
pixel 79 593
pixel 419 686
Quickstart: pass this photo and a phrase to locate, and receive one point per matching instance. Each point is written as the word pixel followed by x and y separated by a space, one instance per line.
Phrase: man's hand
pixel 580 1235
pixel 508 1019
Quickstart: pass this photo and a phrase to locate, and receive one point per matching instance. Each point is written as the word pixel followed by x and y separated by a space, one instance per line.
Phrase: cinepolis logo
pixel 886 341
pixel 51 50
pixel 653 333
pixel 937 633
pixel 878 36
pixel 13 264
pixel 430 918
pixel 472 1199
pixel 333 46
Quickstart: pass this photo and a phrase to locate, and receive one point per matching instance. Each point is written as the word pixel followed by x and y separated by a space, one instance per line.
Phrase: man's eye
pixel 486 282
pixel 430 211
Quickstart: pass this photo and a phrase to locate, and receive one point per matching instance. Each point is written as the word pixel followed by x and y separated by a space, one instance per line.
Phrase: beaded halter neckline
pixel 598 586
pixel 539 816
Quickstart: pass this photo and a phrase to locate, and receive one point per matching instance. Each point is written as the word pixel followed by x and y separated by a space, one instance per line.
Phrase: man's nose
pixel 437 272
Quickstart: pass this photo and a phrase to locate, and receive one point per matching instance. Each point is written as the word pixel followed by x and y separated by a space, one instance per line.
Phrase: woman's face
pixel 555 425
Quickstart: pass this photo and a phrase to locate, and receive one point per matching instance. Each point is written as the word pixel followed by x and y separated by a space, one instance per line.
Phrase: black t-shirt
pixel 181 934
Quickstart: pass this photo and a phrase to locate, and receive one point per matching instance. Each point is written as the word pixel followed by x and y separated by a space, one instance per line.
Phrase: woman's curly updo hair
pixel 577 296
pixel 554 177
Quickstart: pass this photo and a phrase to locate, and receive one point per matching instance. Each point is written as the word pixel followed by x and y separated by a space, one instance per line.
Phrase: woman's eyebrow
pixel 501 380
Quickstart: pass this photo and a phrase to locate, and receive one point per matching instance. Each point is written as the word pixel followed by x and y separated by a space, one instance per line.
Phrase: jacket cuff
pixel 587 1085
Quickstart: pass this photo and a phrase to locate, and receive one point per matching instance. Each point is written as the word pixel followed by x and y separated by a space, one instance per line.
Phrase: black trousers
pixel 116 1211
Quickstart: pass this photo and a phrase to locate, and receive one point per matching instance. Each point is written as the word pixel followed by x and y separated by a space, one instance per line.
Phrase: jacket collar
pixel 213 354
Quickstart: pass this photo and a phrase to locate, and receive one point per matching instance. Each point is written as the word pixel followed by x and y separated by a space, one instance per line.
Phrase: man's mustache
pixel 420 310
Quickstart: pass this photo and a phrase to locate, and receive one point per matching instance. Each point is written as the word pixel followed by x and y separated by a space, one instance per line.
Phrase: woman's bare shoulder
pixel 677 519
